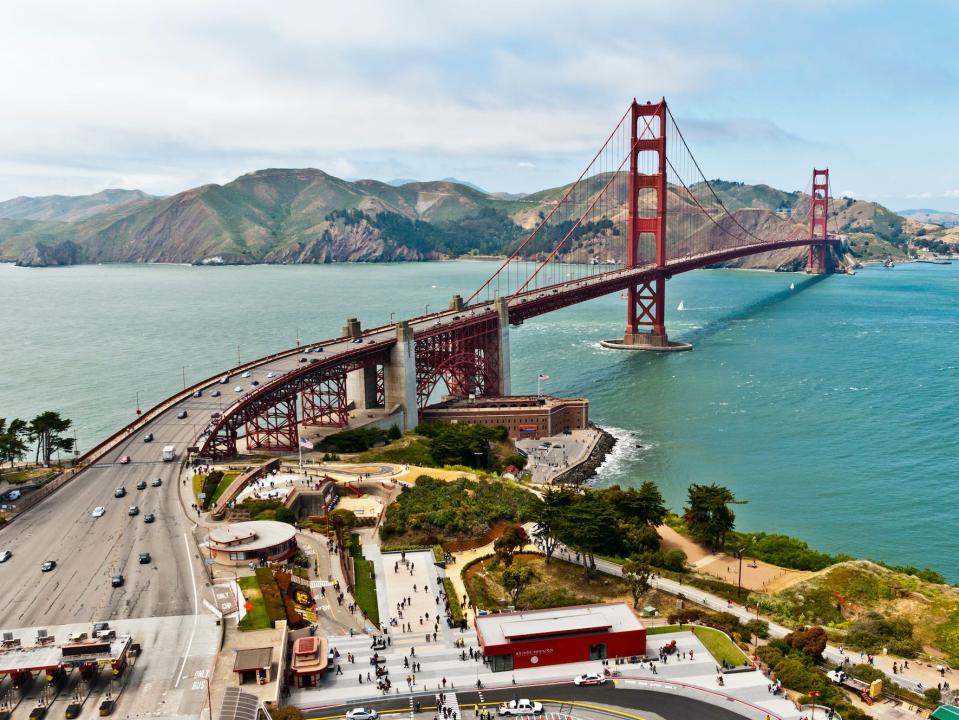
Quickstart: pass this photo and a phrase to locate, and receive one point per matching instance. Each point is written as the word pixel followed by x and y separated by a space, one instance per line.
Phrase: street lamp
pixel 739 588
pixel 427 308
pixel 183 370
pixel 138 403
pixel 391 317
pixel 238 354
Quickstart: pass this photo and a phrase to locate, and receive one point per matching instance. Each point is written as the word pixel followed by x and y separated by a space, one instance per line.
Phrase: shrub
pixel 810 641
pixel 285 515
pixel 456 612
pixel 355 440
pixel 271 594
pixel 874 631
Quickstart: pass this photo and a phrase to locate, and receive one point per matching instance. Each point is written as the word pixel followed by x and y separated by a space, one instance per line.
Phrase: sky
pixel 512 96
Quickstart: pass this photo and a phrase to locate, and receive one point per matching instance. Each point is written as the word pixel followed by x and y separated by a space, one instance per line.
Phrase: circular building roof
pixel 252 535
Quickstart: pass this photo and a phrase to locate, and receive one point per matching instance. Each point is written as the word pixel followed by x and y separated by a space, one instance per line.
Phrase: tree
pixel 285 515
pixel 644 505
pixel 343 520
pixel 810 641
pixel 590 526
pixel 287 712
pixel 550 512
pixel 636 572
pixel 708 515
pixel 517 578
pixel 46 430
pixel 512 539
pixel 12 443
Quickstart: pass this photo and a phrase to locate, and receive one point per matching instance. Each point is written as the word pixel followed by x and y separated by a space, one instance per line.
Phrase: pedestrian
pixel 361 678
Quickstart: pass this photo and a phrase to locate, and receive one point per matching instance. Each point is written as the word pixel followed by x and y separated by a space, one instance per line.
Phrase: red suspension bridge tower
pixel 816 262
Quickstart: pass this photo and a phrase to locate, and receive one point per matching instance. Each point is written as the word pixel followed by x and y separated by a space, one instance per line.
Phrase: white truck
pixel 169 453
pixel 520 707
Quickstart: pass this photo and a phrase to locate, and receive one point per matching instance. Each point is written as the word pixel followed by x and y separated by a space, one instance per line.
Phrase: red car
pixel 124 459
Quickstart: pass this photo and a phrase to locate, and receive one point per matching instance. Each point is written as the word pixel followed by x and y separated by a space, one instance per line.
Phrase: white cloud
pixel 525 165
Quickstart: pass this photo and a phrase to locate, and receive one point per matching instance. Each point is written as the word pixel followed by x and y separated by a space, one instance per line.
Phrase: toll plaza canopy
pixel 560 635
pixel 49 657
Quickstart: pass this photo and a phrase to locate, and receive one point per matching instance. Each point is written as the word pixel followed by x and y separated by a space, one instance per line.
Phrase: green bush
pixel 782 550
pixel 461 443
pixel 443 510
pixel 355 440
pixel 873 632
pixel 210 484
pixel 456 612
pixel 285 515
pixel 364 590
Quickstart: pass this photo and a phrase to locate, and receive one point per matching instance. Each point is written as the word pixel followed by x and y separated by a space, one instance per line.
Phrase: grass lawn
pixel 198 486
pixel 21 476
pixel 365 590
pixel 255 619
pixel 719 645
pixel 663 629
pixel 224 484
pixel 559 584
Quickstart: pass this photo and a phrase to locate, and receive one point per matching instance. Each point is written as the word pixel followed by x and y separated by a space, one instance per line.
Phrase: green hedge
pixel 456 612
pixel 364 589
pixel 275 609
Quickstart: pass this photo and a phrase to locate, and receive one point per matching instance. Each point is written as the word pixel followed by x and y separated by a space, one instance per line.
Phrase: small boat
pixel 681 307
pixel 792 286
pixel 889 263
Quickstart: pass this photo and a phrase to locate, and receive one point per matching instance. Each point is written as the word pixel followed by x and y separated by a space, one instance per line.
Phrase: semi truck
pixel 169 453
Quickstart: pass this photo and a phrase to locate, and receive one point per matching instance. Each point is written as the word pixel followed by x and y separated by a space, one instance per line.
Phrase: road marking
pixel 196 617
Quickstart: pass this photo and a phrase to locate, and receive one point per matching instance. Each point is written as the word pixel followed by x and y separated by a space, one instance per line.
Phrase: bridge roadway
pixel 89 551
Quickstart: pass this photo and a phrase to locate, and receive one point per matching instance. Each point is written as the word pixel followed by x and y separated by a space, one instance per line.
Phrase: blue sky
pixel 513 96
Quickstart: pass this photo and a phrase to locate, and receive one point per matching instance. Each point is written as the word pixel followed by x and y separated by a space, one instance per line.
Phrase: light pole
pixel 739 587
pixel 391 317
pixel 138 403
pixel 238 354
pixel 427 308
pixel 183 370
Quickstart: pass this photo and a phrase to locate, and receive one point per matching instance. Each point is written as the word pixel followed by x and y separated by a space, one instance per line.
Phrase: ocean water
pixel 829 408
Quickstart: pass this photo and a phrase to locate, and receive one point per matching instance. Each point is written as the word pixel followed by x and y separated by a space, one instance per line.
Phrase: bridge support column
pixel 816 261
pixel 502 316
pixel 361 388
pixel 400 376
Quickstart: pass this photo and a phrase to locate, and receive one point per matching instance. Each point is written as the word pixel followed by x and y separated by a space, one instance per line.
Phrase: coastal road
pixel 666 705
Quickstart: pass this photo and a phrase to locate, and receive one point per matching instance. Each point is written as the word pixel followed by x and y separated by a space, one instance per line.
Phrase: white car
pixel 238 388
pixel 589 679
pixel 98 511
pixel 271 374
pixel 246 374
pixel 362 714
pixel 5 555
pixel 520 707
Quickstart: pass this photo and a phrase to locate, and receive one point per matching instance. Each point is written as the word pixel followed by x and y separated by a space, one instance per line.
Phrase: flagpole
pixel 299 445
pixel 539 383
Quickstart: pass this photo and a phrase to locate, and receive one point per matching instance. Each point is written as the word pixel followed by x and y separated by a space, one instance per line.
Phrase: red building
pixel 563 635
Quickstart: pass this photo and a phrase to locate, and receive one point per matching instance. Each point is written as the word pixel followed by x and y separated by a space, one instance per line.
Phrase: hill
pixel 67 207
pixel 934 217
pixel 307 216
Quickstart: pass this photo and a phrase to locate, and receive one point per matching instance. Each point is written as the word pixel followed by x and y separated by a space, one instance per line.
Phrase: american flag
pixel 543 377
pixel 306 444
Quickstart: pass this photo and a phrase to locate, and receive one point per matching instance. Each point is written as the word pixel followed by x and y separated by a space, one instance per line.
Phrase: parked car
pixel 589 679
pixel 98 511
pixel 362 714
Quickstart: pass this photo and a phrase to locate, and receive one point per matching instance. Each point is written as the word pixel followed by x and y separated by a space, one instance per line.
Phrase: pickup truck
pixel 520 707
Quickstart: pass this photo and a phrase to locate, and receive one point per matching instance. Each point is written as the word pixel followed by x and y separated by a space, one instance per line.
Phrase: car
pixel 589 679
pixel 520 707
pixel 142 485
pixel 14 495
pixel 837 676
pixel 180 415
pixel 124 459
pixel 116 581
pixel 48 566
pixel 224 380
pixel 198 393
pixel 148 437
pixel 319 349
pixel 120 492
pixel 157 482
pixel 149 518
pixel 238 388
pixel 215 393
pixel 134 510
pixel 214 415
pixel 76 637
pixel 5 555
pixel 98 511
pixel 357 341
pixel 362 714
pixel 270 374
pixel 303 359
pixel 254 383
pixel 145 558
pixel 246 374
pixel 99 628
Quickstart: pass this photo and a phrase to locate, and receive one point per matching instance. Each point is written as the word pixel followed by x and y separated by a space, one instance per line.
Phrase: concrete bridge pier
pixel 502 312
pixel 400 376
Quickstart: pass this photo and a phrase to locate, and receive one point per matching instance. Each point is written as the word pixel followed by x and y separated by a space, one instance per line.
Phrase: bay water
pixel 830 407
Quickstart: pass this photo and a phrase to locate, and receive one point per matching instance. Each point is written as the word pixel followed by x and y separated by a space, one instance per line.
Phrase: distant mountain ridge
pixel 308 216
pixel 936 217
pixel 67 207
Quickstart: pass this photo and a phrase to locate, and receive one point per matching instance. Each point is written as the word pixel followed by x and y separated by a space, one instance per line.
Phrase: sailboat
pixel 681 306
pixel 792 286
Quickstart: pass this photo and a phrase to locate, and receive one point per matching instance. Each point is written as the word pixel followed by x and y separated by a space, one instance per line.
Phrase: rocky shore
pixel 581 472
